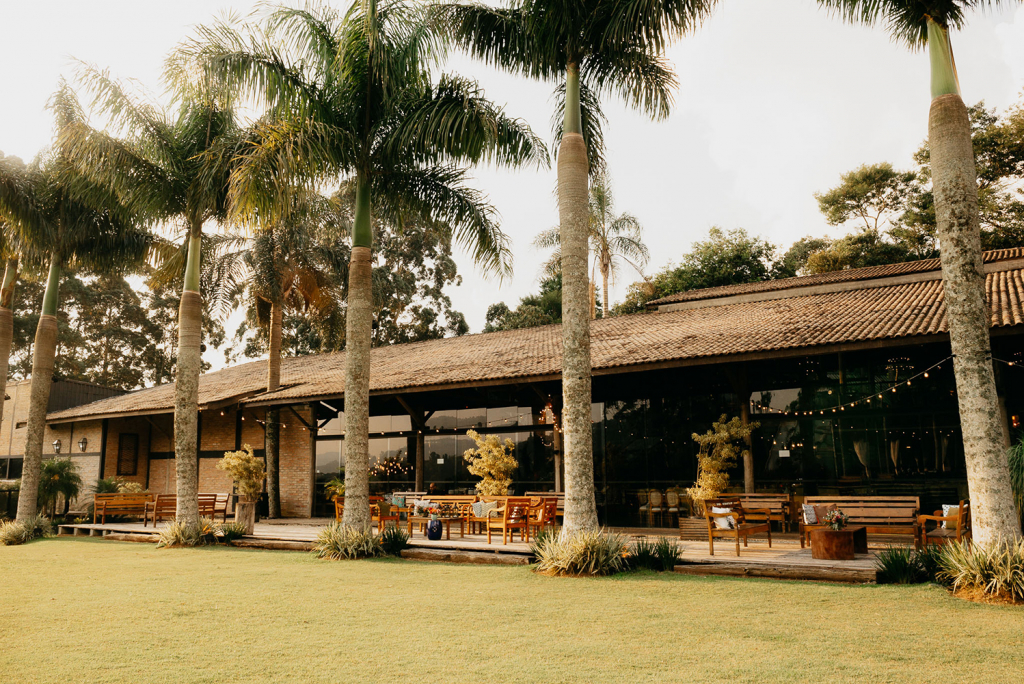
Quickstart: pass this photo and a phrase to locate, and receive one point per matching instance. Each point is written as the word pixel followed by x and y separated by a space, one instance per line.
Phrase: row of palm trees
pixel 353 97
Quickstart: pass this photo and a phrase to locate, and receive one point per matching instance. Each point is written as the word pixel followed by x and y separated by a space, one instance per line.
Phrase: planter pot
pixel 245 513
pixel 434 529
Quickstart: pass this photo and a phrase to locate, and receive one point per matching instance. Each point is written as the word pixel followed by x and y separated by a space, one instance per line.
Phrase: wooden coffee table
pixel 828 544
pixel 420 519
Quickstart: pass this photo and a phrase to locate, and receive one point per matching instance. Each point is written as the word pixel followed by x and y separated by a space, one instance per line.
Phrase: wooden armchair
pixel 381 512
pixel 740 528
pixel 957 526
pixel 515 516
pixel 543 514
pixel 339 507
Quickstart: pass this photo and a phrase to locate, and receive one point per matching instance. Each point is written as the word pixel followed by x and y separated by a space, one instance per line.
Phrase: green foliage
pixel 175 533
pixel 542 308
pixel 1016 458
pixel 14 532
pixel 343 542
pixel 668 553
pixel 334 487
pixel 642 555
pixel 996 569
pixel 393 540
pixel 58 479
pixel 898 565
pixel 231 531
pixel 584 553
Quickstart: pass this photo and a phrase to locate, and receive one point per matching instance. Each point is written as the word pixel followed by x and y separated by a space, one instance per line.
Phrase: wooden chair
pixel 741 529
pixel 164 506
pixel 543 514
pixel 780 507
pixel 515 516
pixel 656 506
pixel 674 504
pixel 339 507
pixel 957 526
pixel 211 504
pixel 381 513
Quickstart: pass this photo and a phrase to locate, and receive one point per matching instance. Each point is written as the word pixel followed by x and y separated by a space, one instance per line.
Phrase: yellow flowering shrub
pixel 245 469
pixel 492 462
pixel 718 452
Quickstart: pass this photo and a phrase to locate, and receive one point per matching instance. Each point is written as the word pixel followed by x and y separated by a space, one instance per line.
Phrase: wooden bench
pixel 878 514
pixel 779 507
pixel 740 529
pixel 119 503
pixel 165 506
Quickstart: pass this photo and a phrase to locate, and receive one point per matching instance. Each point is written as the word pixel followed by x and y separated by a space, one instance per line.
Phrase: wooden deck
pixel 785 560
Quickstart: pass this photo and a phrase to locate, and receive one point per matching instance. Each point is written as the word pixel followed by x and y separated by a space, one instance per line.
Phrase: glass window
pixel 401 423
pixel 443 420
pixel 380 424
pixel 328 459
pixel 501 417
pixel 472 418
pixel 335 426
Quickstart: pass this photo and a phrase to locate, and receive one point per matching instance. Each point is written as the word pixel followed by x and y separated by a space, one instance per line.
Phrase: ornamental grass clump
pixel 231 531
pixel 994 570
pixel 660 556
pixel 718 452
pixel 14 532
pixel 393 540
pixel 338 541
pixel 180 533
pixel 492 462
pixel 591 553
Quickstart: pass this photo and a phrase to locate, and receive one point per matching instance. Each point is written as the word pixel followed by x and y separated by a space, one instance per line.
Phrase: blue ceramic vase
pixel 434 528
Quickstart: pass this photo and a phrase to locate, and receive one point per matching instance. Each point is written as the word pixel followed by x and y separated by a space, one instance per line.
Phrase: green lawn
pixel 77 610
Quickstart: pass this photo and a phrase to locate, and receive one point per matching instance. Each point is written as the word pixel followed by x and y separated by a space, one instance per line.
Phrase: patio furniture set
pixel 153 507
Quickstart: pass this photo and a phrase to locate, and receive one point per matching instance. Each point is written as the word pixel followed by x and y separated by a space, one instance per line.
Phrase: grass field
pixel 80 610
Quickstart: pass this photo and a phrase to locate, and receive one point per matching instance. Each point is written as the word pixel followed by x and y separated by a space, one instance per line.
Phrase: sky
pixel 776 100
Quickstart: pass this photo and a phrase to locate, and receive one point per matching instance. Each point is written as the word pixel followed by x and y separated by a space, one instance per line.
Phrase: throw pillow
pixel 398 501
pixel 478 509
pixel 490 508
pixel 821 511
pixel 724 523
pixel 947 511
pixel 809 517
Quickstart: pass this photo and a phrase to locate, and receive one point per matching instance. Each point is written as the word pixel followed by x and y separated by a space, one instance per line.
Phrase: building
pixel 848 375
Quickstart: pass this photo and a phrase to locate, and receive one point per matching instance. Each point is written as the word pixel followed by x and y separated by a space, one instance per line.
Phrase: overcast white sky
pixel 776 99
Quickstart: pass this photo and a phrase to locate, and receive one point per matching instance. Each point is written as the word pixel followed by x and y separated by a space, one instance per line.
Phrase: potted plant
pixel 248 472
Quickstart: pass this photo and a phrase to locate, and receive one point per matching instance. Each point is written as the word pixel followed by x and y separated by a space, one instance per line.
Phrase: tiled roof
pixel 848 275
pixel 801 321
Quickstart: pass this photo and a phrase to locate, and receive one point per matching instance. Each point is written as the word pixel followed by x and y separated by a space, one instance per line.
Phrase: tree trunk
pixel 605 268
pixel 358 333
pixel 186 389
pixel 43 353
pixel 420 447
pixel 273 432
pixel 574 214
pixel 6 326
pixel 994 516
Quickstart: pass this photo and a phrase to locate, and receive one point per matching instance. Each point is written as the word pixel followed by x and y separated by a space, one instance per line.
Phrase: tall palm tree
pixel 612 238
pixel 917 23
pixel 160 169
pixel 351 96
pixel 297 263
pixel 8 237
pixel 59 213
pixel 592 46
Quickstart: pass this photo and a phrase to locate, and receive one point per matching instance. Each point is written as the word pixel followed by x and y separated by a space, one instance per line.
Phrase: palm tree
pixel 58 478
pixel 611 238
pixel 954 181
pixel 8 237
pixel 592 46
pixel 298 262
pixel 162 171
pixel 59 213
pixel 351 96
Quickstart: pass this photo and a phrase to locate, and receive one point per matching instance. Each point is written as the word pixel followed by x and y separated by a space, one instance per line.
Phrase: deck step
pixel 473 557
pixel 779 571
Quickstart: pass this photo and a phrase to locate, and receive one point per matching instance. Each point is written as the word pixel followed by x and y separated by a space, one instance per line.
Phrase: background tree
pixel 12 167
pixel 58 479
pixel 351 96
pixel 955 187
pixel 542 308
pixel 593 47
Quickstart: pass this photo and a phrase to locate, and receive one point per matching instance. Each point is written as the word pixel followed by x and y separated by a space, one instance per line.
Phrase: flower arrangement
pixel 425 511
pixel 836 519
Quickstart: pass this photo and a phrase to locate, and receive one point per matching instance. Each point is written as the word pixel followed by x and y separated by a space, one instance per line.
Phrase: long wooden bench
pixel 165 506
pixel 119 503
pixel 895 515
pixel 779 507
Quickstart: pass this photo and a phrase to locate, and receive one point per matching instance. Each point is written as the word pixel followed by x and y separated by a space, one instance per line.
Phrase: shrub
pixel 898 565
pixel 17 532
pixel 202 533
pixel 928 564
pixel 247 470
pixel 58 479
pixel 393 540
pixel 333 488
pixel 1016 458
pixel 491 461
pixel 996 569
pixel 584 553
pixel 231 531
pixel 668 554
pixel 343 542
pixel 642 555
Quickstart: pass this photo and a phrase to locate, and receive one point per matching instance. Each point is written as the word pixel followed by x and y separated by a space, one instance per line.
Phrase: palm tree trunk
pixel 43 353
pixel 358 332
pixel 273 436
pixel 6 325
pixel 573 214
pixel 186 387
pixel 955 185
pixel 605 268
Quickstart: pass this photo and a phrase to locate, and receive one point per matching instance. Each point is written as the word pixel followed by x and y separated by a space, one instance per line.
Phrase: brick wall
pixel 296 465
